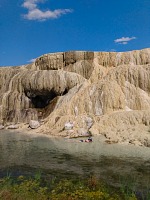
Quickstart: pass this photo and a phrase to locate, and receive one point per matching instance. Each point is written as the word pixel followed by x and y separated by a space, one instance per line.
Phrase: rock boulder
pixel 34 124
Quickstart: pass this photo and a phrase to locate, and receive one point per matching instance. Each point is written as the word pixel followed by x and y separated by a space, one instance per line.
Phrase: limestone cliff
pixel 110 88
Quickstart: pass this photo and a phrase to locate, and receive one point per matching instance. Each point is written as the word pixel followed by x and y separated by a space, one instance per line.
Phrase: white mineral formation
pixel 15 126
pixel 34 124
pixel 106 92
pixel 1 127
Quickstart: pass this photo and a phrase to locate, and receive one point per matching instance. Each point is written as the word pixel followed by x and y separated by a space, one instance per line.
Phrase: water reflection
pixel 24 153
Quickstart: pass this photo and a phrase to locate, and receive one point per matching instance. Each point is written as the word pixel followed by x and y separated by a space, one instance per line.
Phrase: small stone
pixel 136 142
pixel 68 126
pixel 83 132
pixel 34 124
pixel 111 141
pixel 1 127
pixel 15 126
pixel 89 122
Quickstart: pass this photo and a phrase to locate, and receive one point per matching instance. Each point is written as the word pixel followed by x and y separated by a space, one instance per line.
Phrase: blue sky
pixel 30 28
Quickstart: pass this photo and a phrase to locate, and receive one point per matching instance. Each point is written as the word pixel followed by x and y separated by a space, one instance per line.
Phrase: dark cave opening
pixel 44 101
pixel 41 99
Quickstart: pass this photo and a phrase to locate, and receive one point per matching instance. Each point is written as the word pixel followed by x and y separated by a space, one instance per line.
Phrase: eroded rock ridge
pixel 110 89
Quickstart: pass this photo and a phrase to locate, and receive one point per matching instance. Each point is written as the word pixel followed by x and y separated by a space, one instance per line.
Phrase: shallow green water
pixel 25 154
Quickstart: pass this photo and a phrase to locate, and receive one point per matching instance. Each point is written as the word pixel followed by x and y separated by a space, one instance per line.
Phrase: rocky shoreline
pixel 129 136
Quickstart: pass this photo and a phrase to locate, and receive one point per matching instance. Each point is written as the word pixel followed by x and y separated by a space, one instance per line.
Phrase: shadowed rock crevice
pixel 41 99
pixel 44 101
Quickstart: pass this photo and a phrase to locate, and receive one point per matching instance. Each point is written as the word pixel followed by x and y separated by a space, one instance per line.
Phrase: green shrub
pixel 23 188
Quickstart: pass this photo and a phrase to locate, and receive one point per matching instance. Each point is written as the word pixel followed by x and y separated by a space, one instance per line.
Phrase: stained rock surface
pixel 102 92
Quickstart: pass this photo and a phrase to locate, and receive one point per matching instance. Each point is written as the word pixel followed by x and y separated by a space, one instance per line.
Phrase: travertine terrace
pixel 112 89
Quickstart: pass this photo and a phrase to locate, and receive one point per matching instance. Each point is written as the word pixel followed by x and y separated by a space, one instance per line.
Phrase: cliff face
pixel 113 89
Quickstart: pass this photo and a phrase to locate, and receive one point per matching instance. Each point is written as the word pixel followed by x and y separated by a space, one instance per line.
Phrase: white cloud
pixel 34 13
pixel 29 5
pixel 32 60
pixel 37 14
pixel 124 40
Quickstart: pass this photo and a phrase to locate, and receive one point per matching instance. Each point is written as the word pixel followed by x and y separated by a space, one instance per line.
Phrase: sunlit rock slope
pixel 111 89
